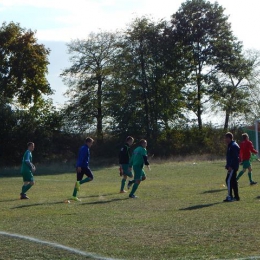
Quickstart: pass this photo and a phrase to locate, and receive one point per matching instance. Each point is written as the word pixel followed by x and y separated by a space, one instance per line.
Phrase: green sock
pixel 239 175
pixel 135 187
pixel 75 192
pixel 26 188
pixel 250 176
pixel 85 180
pixel 123 184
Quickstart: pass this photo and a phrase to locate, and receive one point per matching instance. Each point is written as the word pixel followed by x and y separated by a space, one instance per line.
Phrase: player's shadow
pixel 9 200
pixel 97 196
pixel 103 201
pixel 213 191
pixel 201 206
pixel 37 204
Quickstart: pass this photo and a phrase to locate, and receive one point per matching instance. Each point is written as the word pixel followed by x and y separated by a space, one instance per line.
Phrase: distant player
pixel 82 167
pixel 27 170
pixel 137 161
pixel 246 150
pixel 232 166
pixel 124 157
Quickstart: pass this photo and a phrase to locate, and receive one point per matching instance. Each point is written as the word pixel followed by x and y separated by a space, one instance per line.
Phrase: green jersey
pixel 27 162
pixel 139 157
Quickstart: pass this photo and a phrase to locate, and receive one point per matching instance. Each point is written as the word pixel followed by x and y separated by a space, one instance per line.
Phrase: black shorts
pixel 85 171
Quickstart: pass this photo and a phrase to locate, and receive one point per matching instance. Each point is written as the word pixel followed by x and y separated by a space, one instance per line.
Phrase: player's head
pixel 129 140
pixel 143 143
pixel 245 136
pixel 30 146
pixel 89 141
pixel 228 137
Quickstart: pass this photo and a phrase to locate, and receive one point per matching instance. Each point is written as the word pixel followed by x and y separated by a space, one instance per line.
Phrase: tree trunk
pixel 99 113
pixel 226 120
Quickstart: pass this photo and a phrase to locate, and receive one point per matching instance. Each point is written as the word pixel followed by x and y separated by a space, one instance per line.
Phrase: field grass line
pixel 56 245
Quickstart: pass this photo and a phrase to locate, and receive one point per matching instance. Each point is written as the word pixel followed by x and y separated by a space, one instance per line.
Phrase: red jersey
pixel 246 148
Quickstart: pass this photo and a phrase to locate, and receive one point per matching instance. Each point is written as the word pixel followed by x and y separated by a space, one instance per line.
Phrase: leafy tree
pixel 146 97
pixel 89 78
pixel 23 65
pixel 203 30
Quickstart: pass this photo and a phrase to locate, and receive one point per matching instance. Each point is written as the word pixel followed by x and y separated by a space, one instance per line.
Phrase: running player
pixel 138 159
pixel 124 157
pixel 82 167
pixel 246 150
pixel 27 170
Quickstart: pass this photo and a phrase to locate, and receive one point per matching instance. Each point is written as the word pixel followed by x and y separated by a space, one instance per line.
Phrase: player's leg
pixel 126 173
pixel 76 188
pixel 89 175
pixel 228 182
pixel 250 175
pixel 139 173
pixel 242 171
pixel 28 183
pixel 235 186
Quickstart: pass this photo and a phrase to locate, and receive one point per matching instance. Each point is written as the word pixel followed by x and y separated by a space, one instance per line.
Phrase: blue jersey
pixel 233 156
pixel 83 157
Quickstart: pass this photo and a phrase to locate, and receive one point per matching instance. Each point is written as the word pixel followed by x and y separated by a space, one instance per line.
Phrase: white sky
pixel 59 21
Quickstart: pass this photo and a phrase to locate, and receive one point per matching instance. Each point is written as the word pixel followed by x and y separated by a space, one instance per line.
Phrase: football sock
pixel 239 175
pixel 135 186
pixel 75 192
pixel 123 184
pixel 26 188
pixel 250 176
pixel 85 180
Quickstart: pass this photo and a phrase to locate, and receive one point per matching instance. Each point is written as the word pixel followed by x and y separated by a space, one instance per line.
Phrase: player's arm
pixel 252 149
pixel 28 162
pixel 80 159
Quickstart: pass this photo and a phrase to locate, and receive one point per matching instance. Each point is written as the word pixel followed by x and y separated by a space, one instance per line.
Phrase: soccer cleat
pixel 228 199
pixel 123 191
pixel 253 182
pixel 133 197
pixel 236 199
pixel 24 196
pixel 129 184
pixel 75 198
pixel 77 185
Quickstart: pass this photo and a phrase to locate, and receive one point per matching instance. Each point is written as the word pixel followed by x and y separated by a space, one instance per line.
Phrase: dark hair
pixel 229 135
pixel 129 138
pixel 245 136
pixel 142 141
pixel 29 144
pixel 89 140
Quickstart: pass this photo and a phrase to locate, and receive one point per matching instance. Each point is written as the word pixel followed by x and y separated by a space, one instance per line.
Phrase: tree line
pixel 153 80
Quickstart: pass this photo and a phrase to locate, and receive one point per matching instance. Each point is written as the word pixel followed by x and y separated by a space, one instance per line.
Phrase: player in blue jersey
pixel 82 167
pixel 27 170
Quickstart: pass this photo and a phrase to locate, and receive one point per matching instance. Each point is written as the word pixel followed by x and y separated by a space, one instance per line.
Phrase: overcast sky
pixel 59 21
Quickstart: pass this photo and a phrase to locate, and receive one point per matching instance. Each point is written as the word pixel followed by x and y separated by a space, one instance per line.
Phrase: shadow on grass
pixel 37 204
pixel 97 196
pixel 213 191
pixel 200 206
pixel 103 201
pixel 9 200
pixel 257 198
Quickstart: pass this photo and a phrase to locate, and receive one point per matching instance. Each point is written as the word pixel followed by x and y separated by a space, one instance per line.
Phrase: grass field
pixel 179 215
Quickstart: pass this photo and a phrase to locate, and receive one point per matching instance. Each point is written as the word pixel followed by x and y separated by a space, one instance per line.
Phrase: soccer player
pixel 82 167
pixel 124 157
pixel 232 166
pixel 27 170
pixel 137 161
pixel 246 149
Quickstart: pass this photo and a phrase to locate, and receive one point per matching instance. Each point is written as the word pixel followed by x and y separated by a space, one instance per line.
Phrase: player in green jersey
pixel 137 161
pixel 27 170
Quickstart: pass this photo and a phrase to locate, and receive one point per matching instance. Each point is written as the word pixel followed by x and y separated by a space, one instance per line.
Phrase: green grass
pixel 179 215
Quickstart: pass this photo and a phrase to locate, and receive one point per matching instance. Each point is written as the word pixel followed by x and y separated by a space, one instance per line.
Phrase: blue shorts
pixel 84 171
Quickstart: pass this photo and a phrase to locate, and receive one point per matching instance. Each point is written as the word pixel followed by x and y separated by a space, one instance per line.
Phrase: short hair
pixel 245 136
pixel 142 141
pixel 229 135
pixel 129 138
pixel 89 140
pixel 29 144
